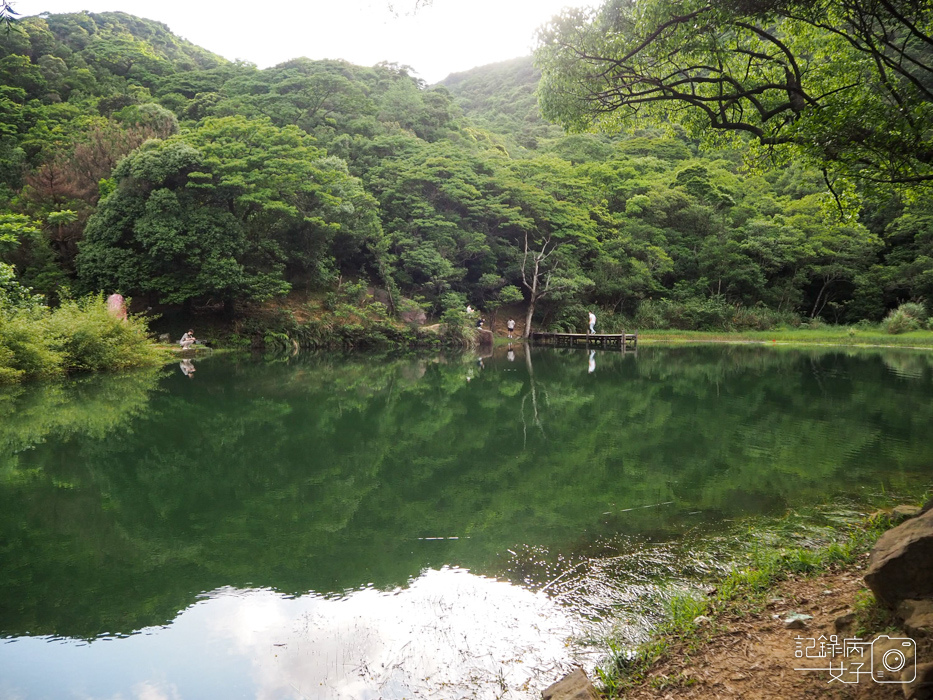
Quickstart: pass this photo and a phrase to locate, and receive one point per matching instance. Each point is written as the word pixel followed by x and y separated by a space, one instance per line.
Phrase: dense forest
pixel 133 161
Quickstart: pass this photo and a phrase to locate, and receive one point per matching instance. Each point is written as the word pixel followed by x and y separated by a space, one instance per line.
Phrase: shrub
pixel 914 310
pixel 91 338
pixel 13 295
pixel 80 335
pixel 26 347
pixel 458 329
pixel 573 319
pixel 650 315
pixel 899 322
pixel 761 318
pixel 708 314
pixel 909 316
pixel 448 301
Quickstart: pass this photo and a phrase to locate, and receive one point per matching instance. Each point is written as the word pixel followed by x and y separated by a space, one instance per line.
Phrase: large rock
pixel 921 688
pixel 901 563
pixel 414 317
pixel 573 686
pixel 484 337
pixel 917 616
pixel 380 295
pixel 901 513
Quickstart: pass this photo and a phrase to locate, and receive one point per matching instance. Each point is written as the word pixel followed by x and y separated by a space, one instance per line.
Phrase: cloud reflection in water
pixel 449 634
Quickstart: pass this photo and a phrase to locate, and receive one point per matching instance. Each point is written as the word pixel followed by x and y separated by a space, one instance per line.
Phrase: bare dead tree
pixel 537 277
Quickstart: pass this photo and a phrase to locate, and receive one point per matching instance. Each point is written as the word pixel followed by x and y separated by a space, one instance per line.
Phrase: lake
pixel 369 526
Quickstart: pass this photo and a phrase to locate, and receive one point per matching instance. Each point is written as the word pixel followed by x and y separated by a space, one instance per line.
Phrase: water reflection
pixel 449 634
pixel 123 497
pixel 187 368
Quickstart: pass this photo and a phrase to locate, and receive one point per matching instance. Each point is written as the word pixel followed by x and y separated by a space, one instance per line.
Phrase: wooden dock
pixel 624 341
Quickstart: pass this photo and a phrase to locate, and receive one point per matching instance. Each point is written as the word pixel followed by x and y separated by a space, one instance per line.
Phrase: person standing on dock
pixel 592 323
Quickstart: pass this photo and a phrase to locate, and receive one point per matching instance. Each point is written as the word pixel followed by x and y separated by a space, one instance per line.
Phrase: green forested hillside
pixel 133 161
pixel 501 98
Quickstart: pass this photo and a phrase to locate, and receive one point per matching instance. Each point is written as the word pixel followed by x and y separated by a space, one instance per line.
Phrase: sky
pixel 444 37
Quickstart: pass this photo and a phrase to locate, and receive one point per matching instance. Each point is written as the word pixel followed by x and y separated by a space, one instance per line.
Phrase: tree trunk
pixel 531 312
pixel 816 304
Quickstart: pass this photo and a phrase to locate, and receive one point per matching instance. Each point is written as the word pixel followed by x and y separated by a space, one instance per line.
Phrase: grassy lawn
pixel 827 335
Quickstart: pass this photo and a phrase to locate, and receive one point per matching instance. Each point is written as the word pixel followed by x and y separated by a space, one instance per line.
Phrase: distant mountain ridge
pixel 501 97
pixel 117 42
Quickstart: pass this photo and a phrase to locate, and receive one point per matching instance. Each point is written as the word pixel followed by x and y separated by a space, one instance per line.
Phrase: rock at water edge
pixel 573 686
pixel 901 562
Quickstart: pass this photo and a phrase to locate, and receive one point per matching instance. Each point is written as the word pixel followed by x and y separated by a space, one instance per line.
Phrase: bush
pixel 708 314
pixel 914 310
pixel 26 347
pixel 13 295
pixel 899 321
pixel 909 316
pixel 761 318
pixel 458 329
pixel 91 338
pixel 80 335
pixel 812 324
pixel 573 319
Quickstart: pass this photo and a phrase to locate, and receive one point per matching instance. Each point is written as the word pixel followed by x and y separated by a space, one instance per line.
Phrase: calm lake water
pixel 325 526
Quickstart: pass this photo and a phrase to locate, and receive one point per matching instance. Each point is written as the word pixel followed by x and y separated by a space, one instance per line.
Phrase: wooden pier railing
pixel 623 340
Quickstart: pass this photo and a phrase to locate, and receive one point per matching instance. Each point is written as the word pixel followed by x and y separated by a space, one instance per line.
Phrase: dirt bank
pixel 751 655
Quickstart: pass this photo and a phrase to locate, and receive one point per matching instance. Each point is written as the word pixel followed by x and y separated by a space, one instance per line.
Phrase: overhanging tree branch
pixel 855 96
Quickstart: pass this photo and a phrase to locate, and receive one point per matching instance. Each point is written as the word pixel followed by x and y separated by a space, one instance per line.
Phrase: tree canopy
pixel 221 211
pixel 132 160
pixel 846 83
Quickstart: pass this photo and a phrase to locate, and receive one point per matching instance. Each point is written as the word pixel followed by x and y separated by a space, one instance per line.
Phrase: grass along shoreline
pixel 745 598
pixel 844 336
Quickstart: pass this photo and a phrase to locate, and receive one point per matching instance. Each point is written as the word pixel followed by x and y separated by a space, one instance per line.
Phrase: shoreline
pixel 740 639
pixel 919 340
